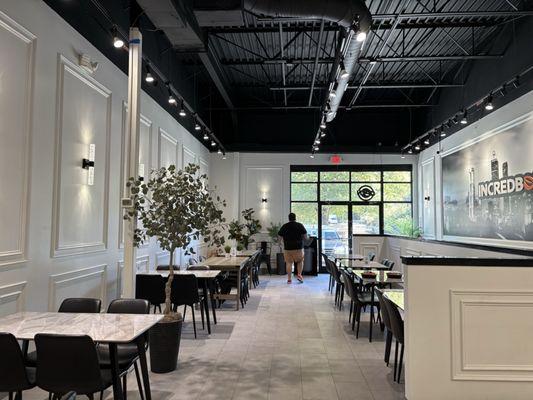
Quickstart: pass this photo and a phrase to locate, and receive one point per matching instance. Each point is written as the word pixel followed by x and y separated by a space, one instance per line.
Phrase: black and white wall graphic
pixel 488 187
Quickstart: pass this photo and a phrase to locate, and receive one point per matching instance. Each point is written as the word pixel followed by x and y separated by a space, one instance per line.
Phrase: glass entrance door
pixel 334 228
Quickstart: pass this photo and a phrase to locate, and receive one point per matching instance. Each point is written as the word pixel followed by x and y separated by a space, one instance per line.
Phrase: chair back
pixel 166 267
pixel 336 271
pixel 13 375
pixel 265 248
pixel 66 363
pixel 129 306
pixel 150 287
pixel 198 267
pixel 184 290
pixel 326 263
pixel 80 305
pixel 384 310
pixel 396 320
pixel 348 286
pixel 371 256
pixel 390 264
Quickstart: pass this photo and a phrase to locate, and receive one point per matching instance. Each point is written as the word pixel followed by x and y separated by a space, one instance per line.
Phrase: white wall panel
pixel 16 80
pixel 83 118
pixel 168 149
pixel 188 156
pixel 12 298
pixel 264 182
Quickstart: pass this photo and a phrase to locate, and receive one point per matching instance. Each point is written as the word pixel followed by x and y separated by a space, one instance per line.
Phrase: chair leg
pixel 400 362
pixel 354 316
pixel 388 345
pixel 11 396
pixel 202 313
pixel 358 321
pixel 351 310
pixel 184 312
pixel 101 394
pixel 138 377
pixel 124 386
pixel 159 308
pixel 90 396
pixel 395 360
pixel 193 320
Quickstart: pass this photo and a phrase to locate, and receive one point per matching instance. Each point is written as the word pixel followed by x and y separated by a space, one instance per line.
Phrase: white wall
pixel 429 166
pixel 243 179
pixel 60 237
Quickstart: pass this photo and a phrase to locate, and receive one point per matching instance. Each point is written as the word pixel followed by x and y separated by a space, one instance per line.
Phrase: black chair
pixel 361 300
pixel 150 287
pixel 331 283
pixel 387 325
pixel 265 256
pixel 184 292
pixel 69 363
pixel 69 396
pixel 396 322
pixel 80 305
pixel 70 305
pixel 166 267
pixel 127 353
pixel 339 291
pixel 371 256
pixel 255 266
pixel 14 375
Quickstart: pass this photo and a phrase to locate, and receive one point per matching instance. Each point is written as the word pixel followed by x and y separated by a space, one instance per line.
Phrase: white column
pixel 131 155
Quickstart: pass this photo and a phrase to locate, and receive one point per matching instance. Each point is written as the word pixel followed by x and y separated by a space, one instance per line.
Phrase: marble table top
pixel 107 328
pixel 357 264
pixel 396 296
pixel 228 262
pixel 200 274
pixel 348 256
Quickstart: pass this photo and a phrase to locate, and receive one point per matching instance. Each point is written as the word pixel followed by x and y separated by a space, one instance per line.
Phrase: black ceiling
pixel 250 77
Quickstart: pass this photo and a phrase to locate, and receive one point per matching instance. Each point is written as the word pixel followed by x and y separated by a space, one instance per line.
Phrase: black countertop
pixel 469 261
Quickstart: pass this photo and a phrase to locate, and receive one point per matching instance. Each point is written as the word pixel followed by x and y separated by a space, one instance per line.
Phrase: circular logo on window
pixel 366 193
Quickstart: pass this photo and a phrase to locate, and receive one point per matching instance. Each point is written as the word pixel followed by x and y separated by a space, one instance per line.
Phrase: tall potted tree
pixel 176 207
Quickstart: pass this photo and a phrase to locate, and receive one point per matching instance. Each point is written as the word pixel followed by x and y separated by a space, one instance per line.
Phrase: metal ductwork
pixel 353 15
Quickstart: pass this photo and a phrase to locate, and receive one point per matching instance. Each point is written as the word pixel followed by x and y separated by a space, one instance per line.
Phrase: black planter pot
pixel 280 264
pixel 164 346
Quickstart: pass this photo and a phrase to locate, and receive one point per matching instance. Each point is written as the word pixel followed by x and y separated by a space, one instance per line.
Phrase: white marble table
pixel 200 274
pixel 112 329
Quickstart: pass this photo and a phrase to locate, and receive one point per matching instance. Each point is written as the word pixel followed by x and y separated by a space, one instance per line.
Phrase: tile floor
pixel 287 343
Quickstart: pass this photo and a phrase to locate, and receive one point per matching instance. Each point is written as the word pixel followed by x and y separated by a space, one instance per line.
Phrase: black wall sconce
pixel 88 164
pixel 264 200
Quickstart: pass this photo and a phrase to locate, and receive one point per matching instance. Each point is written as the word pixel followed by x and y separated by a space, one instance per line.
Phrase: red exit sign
pixel 335 159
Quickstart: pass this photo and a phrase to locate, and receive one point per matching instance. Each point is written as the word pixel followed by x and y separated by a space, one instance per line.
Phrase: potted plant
pixel 273 230
pixel 227 250
pixel 242 232
pixel 176 207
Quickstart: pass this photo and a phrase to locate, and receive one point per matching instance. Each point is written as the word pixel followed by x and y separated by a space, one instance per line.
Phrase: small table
pixel 203 277
pixel 112 329
pixel 381 279
pixel 358 264
pixel 348 257
pixel 396 296
pixel 231 264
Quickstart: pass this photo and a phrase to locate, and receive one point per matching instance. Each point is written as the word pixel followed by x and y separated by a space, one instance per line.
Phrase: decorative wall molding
pixel 142 266
pixel 164 136
pixel 365 248
pixel 14 292
pixel 188 157
pixel 204 166
pixel 18 254
pixel 481 348
pixel 74 278
pixel 65 66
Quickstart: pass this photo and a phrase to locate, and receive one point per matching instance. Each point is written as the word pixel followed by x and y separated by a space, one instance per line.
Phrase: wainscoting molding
pixel 204 166
pixel 164 140
pixel 187 157
pixel 13 293
pixel 142 266
pixel 77 277
pixel 15 201
pixel 83 246
pixel 488 332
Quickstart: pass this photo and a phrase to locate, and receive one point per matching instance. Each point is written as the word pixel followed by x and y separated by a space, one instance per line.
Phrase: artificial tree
pixel 176 207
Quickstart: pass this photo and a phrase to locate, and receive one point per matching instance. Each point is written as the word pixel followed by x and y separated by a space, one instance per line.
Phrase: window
pixel 372 199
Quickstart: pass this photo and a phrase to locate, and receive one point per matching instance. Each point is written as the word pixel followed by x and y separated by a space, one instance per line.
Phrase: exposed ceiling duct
pixel 353 15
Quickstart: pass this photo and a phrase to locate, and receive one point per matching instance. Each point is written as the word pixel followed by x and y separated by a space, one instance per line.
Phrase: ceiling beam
pixel 375 86
pixel 431 58
pixel 288 61
pixel 346 108
pixel 456 14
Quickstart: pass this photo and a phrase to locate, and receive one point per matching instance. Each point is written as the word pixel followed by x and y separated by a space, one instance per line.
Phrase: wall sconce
pixel 88 164
pixel 141 172
pixel 264 200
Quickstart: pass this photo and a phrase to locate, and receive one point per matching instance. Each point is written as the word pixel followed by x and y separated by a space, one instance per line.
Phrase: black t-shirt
pixel 292 234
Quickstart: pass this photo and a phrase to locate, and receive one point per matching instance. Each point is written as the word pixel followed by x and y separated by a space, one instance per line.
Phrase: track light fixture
pixel 417 146
pixel 410 151
pixel 149 78
pixel 197 126
pixel 213 144
pixel 219 151
pixel 182 110
pixel 344 74
pixel 171 99
pixel 206 136
pixel 323 124
pixel 516 82
pixel 311 155
pixel 488 104
pixel 426 141
pixel 332 94
pixel 464 120
pixel 118 43
pixel 316 148
pixel 442 133
pixel 322 134
pixel 402 155
pixel 361 36
pixel 224 156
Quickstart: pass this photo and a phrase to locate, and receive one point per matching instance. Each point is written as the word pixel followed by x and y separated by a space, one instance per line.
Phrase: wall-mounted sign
pixel 366 192
pixel 335 159
pixel 488 188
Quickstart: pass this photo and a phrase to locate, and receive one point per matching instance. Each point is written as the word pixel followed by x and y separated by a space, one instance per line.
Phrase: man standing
pixel 293 234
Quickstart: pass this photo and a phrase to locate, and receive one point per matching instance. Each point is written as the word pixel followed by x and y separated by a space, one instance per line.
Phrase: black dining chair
pixel 385 318
pixel 15 377
pixel 150 287
pixel 265 248
pixel 184 292
pixel 127 353
pixel 69 363
pixel 339 291
pixel 70 305
pixel 255 266
pixel 396 322
pixel 331 283
pixel 361 300
pixel 371 256
pixel 166 267
pixel 347 276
